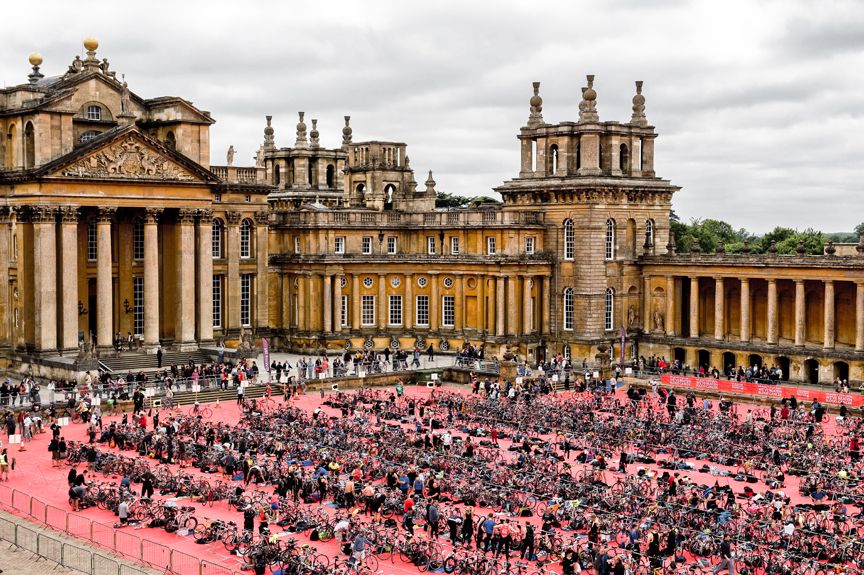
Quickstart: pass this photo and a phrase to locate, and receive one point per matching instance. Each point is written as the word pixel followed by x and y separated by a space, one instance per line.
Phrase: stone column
pixel 719 309
pixel 694 307
pixel 499 305
pixel 6 310
pixel 434 304
pixel 512 323
pixel 647 312
pixel 459 303
pixel 205 276
pixel 383 307
pixel 232 234
pixel 104 280
pixel 800 313
pixel 337 301
pixel 408 308
pixel 327 303
pixel 44 277
pixel 151 279
pixel 312 318
pixel 262 283
pixel 828 331
pixel 526 305
pixel 859 316
pixel 184 327
pixel 69 278
pixel 355 301
pixel 745 309
pixel 546 312
pixel 302 304
pixel 772 311
pixel 669 324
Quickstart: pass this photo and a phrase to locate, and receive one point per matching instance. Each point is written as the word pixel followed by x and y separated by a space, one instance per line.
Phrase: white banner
pixel 14 439
pixel 434 377
pixel 596 375
pixel 196 387
pixel 63 421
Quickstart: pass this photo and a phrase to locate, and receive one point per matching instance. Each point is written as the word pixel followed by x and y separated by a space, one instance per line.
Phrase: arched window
pixel 568 308
pixel 277 175
pixel 553 160
pixel 138 240
pixel 569 240
pixel 649 232
pixel 10 147
pixel 389 190
pixel 624 158
pixel 246 238
pixel 170 141
pixel 331 175
pixel 610 305
pixel 29 146
pixel 94 112
pixel 361 192
pixel 311 173
pixel 216 239
pixel 87 136
pixel 578 153
pixel 610 239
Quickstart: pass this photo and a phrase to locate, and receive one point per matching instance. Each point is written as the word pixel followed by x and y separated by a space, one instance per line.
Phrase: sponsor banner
pixel 265 351
pixel 762 390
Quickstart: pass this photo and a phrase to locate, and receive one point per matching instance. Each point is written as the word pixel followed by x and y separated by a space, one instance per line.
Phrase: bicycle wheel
pixel 371 562
pixel 191 522
pixel 325 532
pixel 450 564
pixel 320 562
pixel 201 532
pixel 206 413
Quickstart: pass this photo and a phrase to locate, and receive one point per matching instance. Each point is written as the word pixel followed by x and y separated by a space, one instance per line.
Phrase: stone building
pixel 115 221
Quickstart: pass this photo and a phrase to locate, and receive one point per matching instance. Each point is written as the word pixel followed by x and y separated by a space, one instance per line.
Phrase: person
pixel 123 512
pixel 430 351
pixel 358 548
pixel 726 560
pixel 240 394
pixel 528 543
pixel 159 357
pixel 54 450
pixel 4 465
pixel 432 517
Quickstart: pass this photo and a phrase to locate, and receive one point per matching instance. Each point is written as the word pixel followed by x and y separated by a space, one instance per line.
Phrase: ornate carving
pixel 205 215
pixel 151 215
pixel 262 218
pixel 129 159
pixel 233 218
pixel 632 316
pixel 106 214
pixel 42 214
pixel 659 323
pixel 68 214
pixel 186 215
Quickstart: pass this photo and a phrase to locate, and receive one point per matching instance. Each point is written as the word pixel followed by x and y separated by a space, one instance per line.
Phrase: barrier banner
pixel 265 351
pixel 762 390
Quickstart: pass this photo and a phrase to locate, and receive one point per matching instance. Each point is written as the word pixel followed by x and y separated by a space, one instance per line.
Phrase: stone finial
pixel 801 250
pixel 720 249
pixel 695 248
pixel 535 118
pixel 313 135
pixel 670 245
pixel 772 249
pixel 830 250
pixel 269 141
pixel 430 184
pixel 745 249
pixel 860 247
pixel 638 118
pixel 588 105
pixel 35 60
pixel 301 142
pixel 347 131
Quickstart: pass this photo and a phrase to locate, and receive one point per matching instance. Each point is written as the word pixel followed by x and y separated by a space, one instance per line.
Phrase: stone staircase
pixel 138 361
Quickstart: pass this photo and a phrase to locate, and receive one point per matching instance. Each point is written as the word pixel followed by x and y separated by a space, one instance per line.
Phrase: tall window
pixel 610 304
pixel 430 245
pixel 649 232
pixel 454 245
pixel 395 310
pixel 367 245
pixel 138 240
pixel 94 113
pixel 367 310
pixel 217 301
pixel 216 239
pixel 138 305
pixel 529 245
pixel 422 315
pixel 610 239
pixel 391 245
pixel 91 241
pixel 568 308
pixel 490 246
pixel 246 239
pixel 343 316
pixel 569 240
pixel 296 245
pixel 448 309
pixel 246 300
pixel 340 244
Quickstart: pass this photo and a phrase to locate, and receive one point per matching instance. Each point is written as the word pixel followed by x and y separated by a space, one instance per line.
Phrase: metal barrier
pixel 27 539
pixel 104 566
pixel 77 558
pixel 50 548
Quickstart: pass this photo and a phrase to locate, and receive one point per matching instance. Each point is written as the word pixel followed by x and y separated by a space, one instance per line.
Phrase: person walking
pixel 159 357
pixel 726 559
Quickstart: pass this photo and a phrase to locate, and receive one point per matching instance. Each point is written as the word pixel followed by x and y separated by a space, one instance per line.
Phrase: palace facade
pixel 115 222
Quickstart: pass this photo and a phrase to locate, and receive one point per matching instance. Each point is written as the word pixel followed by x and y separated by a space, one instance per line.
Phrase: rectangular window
pixel 422 310
pixel 367 245
pixel 91 241
pixel 395 310
pixel 343 318
pixel 490 246
pixel 94 113
pixel 138 241
pixel 340 244
pixel 216 239
pixel 217 301
pixel 454 245
pixel 529 245
pixel 246 300
pixel 296 245
pixel 138 305
pixel 430 245
pixel 367 310
pixel 448 311
pixel 391 245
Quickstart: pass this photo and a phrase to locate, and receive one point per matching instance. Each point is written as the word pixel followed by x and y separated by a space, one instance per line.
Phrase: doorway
pixel 811 371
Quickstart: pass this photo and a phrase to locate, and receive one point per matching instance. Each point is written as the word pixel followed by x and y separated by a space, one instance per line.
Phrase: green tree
pixel 859 229
pixel 445 200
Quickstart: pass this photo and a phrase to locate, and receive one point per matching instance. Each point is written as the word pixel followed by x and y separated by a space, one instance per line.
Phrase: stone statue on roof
pixel 124 99
pixel 230 156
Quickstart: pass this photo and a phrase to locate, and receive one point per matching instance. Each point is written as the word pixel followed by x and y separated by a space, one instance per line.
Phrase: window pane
pixel 245 299
pixel 395 310
pixel 422 310
pixel 138 240
pixel 367 310
pixel 138 305
pixel 217 301
pixel 217 239
pixel 448 307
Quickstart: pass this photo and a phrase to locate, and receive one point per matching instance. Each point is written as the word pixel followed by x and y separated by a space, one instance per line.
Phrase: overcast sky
pixel 758 104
